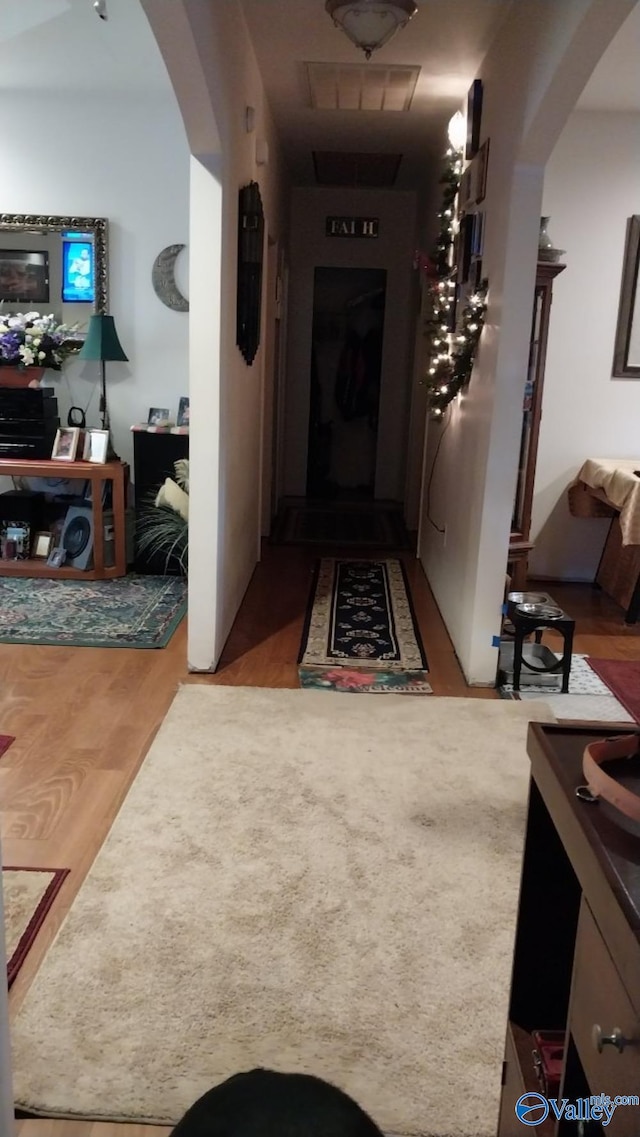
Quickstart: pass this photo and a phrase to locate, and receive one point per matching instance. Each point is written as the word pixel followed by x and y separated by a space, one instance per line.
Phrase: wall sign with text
pixel 351 227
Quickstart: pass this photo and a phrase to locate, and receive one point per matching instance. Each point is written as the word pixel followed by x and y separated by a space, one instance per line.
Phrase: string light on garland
pixel 449 371
pixel 453 342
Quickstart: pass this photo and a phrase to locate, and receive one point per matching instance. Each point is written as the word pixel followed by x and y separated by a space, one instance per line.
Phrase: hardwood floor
pixel 84 718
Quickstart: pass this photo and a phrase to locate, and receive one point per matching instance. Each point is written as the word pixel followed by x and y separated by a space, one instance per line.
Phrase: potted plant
pixel 163 527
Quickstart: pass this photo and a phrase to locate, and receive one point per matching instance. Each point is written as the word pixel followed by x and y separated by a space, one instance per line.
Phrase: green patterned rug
pixel 131 611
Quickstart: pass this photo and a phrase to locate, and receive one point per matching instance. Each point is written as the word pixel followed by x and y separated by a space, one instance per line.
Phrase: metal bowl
pixel 544 611
pixel 528 598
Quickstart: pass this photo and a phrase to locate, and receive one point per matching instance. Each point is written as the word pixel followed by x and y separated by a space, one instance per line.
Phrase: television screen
pixel 78 270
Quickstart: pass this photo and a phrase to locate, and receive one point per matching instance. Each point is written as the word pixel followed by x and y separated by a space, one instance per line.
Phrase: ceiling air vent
pixel 341 168
pixel 349 87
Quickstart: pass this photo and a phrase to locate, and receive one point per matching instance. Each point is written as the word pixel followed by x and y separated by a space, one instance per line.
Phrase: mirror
pixel 250 250
pixel 626 359
pixel 54 264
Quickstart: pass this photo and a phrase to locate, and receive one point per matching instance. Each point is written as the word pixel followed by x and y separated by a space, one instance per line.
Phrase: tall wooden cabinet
pixel 520 544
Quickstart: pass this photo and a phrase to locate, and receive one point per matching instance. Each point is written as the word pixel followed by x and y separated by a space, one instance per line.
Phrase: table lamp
pixel 102 343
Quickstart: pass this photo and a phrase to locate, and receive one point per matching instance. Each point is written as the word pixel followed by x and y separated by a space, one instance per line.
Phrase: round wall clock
pixel 164 281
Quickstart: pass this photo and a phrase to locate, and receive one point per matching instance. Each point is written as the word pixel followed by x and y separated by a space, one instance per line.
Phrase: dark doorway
pixel 346 359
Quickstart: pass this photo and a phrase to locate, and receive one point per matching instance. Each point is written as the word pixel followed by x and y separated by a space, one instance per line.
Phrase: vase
pixel 21 377
pixel 544 240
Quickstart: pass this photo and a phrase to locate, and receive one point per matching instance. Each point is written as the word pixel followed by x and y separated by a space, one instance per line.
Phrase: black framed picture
pixel 250 254
pixel 24 276
pixel 465 246
pixel 474 119
pixel 482 164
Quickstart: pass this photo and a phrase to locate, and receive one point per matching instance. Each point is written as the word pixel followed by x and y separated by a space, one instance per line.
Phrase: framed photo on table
pixel 42 545
pixel 96 446
pixel 65 446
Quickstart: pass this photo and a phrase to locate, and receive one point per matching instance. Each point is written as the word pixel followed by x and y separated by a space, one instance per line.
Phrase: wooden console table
pixel 96 473
pixel 576 965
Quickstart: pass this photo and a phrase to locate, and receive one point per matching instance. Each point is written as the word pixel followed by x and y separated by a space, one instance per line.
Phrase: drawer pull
pixel 616 1038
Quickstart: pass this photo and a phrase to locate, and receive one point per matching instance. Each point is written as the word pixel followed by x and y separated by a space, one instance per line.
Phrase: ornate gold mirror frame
pixel 50 223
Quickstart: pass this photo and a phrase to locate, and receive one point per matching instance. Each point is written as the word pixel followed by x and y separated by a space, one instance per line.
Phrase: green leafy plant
pixel 163 526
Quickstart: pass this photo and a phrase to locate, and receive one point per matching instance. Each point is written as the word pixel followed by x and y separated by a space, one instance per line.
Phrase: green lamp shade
pixel 102 340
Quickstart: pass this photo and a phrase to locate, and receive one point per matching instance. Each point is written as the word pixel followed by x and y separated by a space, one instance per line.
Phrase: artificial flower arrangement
pixel 28 339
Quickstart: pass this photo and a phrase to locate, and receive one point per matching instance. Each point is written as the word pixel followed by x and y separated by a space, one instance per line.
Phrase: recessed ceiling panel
pixel 338 168
pixel 349 87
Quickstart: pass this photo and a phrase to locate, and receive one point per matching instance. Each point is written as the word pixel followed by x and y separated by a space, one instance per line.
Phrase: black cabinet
pixel 154 455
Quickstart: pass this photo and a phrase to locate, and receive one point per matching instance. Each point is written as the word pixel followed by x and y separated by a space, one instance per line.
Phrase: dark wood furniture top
pixel 576 962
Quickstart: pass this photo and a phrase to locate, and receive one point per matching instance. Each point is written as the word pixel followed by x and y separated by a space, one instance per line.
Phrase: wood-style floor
pixel 84 718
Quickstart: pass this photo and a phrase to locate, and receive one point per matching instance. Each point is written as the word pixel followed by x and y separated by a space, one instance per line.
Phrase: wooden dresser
pixel 576 965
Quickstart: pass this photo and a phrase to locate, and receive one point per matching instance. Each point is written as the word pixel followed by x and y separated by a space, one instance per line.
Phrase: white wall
pixel 393 251
pixel 591 187
pixel 126 159
pixel 532 75
pixel 213 69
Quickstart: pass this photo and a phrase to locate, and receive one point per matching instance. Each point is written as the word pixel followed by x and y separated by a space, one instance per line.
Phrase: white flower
pixel 42 355
pixel 26 355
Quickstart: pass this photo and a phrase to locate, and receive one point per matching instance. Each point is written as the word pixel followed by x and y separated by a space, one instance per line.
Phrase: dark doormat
pixel 375 524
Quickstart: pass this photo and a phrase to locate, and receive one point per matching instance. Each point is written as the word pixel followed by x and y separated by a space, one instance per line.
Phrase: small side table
pixel 526 623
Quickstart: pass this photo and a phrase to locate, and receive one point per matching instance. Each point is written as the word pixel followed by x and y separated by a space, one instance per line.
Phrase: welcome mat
pixel 360 618
pixel 622 677
pixel 341 523
pixel 28 896
pixel 365 682
pixel 131 611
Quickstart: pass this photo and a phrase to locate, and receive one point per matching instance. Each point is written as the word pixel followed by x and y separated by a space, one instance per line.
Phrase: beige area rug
pixel 304 882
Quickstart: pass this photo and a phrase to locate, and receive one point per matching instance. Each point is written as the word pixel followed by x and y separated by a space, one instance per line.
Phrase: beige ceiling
pixel 446 41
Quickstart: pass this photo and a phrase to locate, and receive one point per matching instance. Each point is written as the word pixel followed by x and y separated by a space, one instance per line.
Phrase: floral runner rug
pixel 130 611
pixel 28 896
pixel 360 632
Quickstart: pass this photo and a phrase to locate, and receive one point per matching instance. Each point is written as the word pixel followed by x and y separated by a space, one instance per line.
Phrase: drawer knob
pixel 616 1038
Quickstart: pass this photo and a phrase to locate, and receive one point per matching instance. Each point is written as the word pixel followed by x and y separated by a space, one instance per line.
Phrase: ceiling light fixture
pixel 370 23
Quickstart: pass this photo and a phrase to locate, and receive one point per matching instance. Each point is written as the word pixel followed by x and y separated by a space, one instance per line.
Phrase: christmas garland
pixel 453 337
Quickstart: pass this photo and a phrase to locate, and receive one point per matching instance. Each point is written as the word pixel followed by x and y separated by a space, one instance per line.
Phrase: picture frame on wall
pixel 482 165
pixel 24 276
pixel 474 119
pixel 626 359
pixel 477 234
pixel 465 247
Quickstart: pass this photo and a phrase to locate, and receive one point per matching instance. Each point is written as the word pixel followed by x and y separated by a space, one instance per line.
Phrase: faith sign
pixel 351 227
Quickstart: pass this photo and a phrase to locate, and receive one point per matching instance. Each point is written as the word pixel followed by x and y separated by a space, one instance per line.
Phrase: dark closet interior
pixel 346 360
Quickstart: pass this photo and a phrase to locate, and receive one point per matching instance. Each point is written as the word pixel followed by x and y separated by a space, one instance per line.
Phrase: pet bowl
pixel 544 611
pixel 528 598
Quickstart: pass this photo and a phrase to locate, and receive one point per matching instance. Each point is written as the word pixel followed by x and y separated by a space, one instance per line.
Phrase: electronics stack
pixel 28 421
